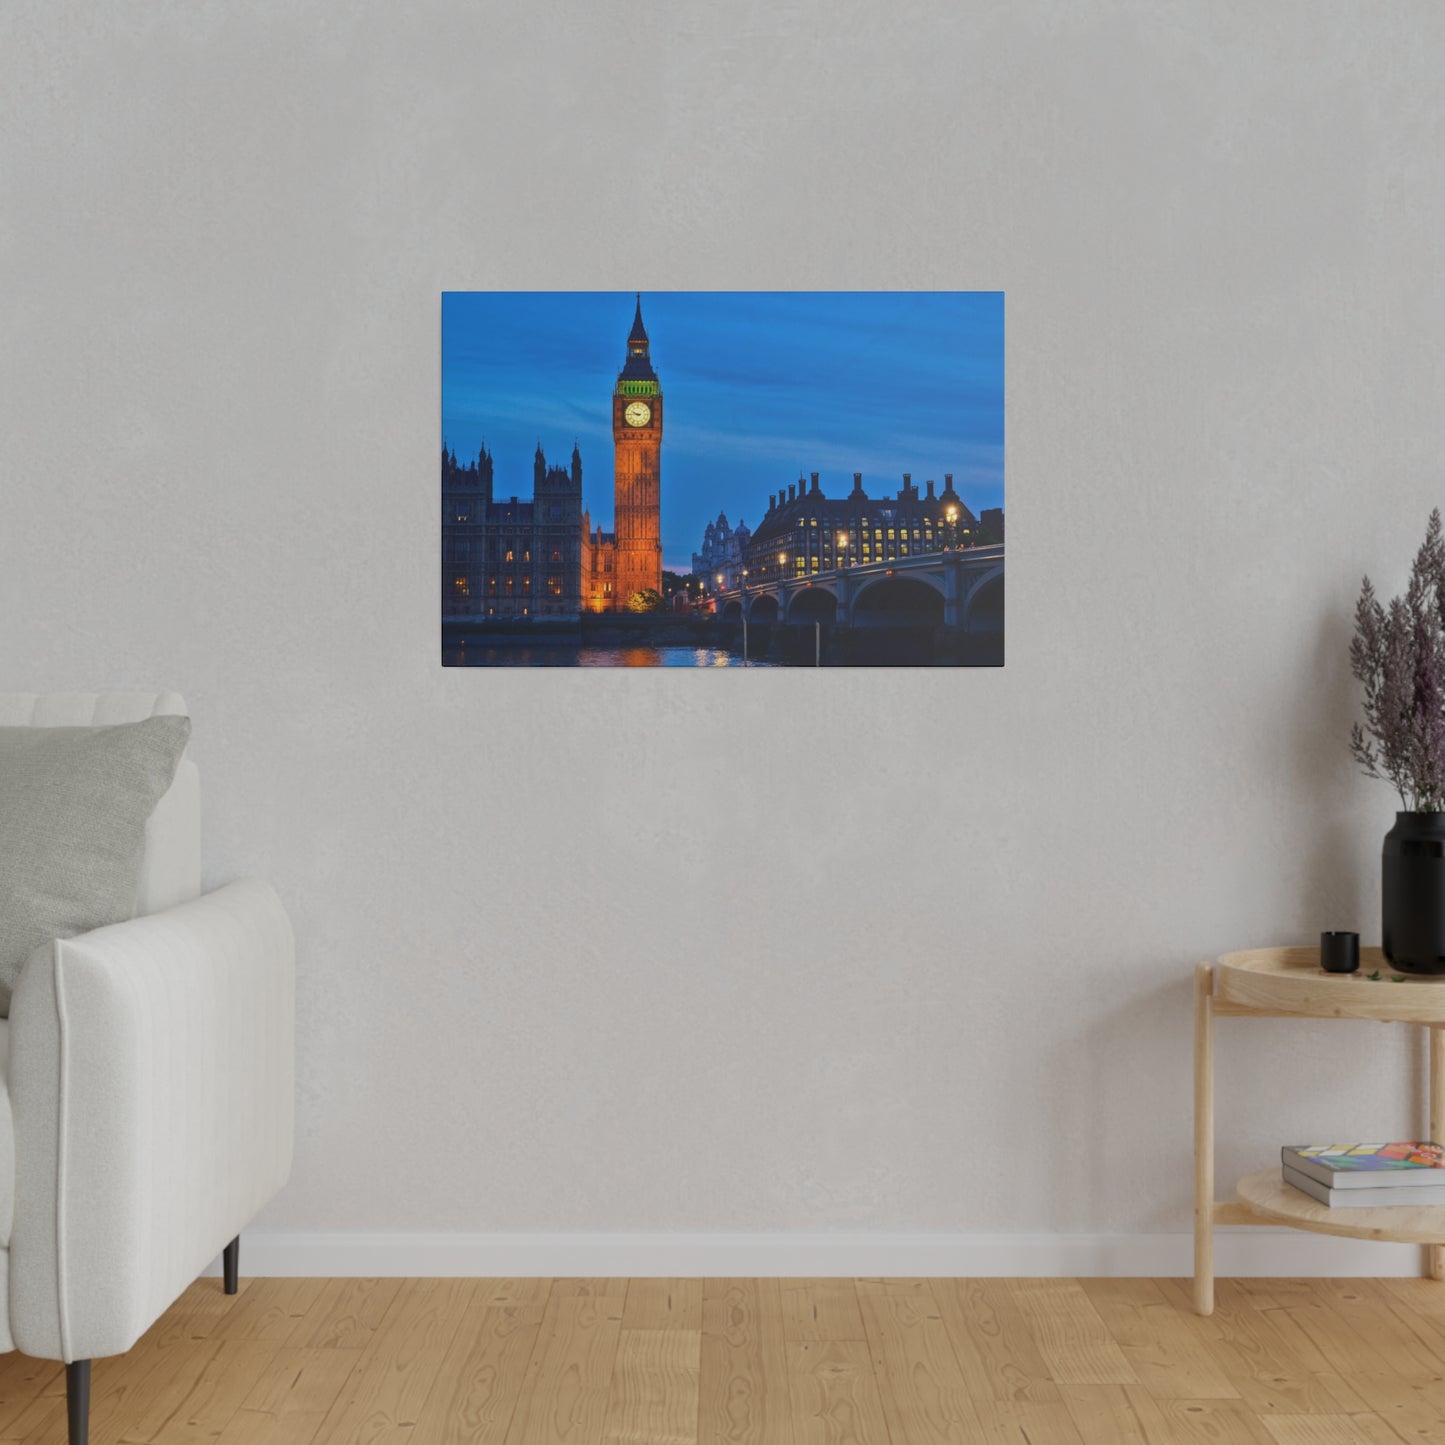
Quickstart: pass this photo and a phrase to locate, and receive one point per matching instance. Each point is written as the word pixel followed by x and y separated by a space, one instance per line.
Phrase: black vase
pixel 1414 893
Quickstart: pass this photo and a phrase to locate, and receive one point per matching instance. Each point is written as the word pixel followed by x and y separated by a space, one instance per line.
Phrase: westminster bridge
pixel 959 589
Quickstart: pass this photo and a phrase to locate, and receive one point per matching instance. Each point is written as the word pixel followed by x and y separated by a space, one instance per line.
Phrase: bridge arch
pixel 914 599
pixel 763 607
pixel 983 608
pixel 732 610
pixel 812 604
pixel 885 580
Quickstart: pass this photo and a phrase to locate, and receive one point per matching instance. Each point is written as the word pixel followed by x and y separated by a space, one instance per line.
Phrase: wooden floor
pixel 765 1362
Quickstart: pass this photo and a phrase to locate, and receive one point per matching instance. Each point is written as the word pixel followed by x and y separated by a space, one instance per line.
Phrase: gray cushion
pixel 73 809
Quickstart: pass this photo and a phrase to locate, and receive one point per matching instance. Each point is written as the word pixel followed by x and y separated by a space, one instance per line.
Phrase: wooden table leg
pixel 1435 1253
pixel 1204 1138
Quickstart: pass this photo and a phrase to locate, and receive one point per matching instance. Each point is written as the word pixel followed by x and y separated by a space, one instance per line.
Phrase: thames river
pixel 474 653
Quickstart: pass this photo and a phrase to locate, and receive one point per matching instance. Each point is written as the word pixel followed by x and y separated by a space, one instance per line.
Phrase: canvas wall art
pixel 722 479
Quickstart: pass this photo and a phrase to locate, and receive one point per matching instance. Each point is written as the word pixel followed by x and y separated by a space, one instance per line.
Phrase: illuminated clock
pixel 638 413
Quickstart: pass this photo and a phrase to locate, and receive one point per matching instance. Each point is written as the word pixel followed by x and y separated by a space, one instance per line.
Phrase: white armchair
pixel 148 1069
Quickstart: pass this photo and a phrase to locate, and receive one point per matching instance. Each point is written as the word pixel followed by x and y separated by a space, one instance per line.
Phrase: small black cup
pixel 1340 952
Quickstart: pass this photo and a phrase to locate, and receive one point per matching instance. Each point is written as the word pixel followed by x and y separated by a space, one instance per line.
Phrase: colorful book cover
pixel 1367 1158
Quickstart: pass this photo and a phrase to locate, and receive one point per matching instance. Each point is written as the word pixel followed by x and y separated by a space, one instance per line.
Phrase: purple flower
pixel 1399 655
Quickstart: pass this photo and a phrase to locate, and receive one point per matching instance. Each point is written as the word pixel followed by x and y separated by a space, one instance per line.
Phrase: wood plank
pixel 663 1304
pixel 24 1380
pixel 743 1373
pixel 996 1351
pixel 1412 1344
pixel 133 1401
pixel 821 1309
pixel 229 1376
pixel 478 1387
pixel 514 1291
pixel 1207 1422
pixel 834 1395
pixel 207 1297
pixel 1334 1333
pixel 1164 1345
pixel 570 1375
pixel 1413 1408
pixel 1330 1430
pixel 397 1369
pixel 347 1315
pixel 925 1397
pixel 1027 1422
pixel 1112 1415
pixel 1311 1362
pixel 597 1288
pixel 274 1312
pixel 292 1397
pixel 1073 1340
pixel 177 1370
pixel 1268 1375
pixel 654 1388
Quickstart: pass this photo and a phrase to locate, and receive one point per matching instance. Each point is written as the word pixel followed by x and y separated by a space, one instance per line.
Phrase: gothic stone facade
pixel 723 556
pixel 513 560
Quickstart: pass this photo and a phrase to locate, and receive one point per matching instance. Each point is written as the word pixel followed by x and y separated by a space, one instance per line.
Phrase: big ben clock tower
pixel 637 475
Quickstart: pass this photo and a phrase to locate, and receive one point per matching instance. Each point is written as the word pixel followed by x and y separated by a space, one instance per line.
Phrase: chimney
pixel 773 500
pixel 792 491
pixel 907 484
pixel 858 494
pixel 930 489
pixel 813 491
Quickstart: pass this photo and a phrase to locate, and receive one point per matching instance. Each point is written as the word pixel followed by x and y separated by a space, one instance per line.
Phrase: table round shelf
pixel 1291 981
pixel 1268 1196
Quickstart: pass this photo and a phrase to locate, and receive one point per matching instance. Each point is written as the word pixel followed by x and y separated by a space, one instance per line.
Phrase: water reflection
pixel 478 654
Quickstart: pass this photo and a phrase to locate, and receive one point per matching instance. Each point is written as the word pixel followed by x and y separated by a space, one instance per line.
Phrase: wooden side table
pixel 1289 983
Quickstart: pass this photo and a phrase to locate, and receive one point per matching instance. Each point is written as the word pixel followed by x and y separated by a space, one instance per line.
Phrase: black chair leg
pixel 231 1264
pixel 77 1401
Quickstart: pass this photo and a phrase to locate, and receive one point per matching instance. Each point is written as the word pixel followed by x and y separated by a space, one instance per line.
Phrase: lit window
pixel 510 557
pixel 462 587
pixel 554 586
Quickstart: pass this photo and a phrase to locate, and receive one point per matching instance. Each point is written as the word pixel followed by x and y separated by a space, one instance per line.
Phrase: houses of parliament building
pixel 510 559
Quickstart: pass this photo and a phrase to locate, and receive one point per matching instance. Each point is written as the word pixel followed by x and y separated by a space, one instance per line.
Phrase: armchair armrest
pixel 151 1082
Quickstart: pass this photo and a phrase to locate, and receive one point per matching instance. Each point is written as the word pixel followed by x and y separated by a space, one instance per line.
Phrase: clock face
pixel 638 413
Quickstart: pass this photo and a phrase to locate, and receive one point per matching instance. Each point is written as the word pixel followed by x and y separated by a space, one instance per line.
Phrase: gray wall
pixel 902 951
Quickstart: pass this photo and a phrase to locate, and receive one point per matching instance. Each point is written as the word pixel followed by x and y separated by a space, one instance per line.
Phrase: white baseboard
pixel 1243 1252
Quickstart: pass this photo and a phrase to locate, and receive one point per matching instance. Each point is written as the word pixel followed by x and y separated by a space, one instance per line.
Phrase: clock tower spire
pixel 637 473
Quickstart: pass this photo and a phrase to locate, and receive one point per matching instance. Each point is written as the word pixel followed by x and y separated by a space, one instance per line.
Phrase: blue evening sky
pixel 758 388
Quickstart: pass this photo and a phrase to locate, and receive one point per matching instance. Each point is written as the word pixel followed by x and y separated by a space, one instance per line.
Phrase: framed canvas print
pixel 722 479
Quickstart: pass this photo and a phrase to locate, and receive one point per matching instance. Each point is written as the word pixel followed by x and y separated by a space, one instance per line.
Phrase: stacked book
pixel 1367 1176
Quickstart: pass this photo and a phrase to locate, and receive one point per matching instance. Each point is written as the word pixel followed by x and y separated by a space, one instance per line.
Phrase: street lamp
pixel 952 515
pixel 843 549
